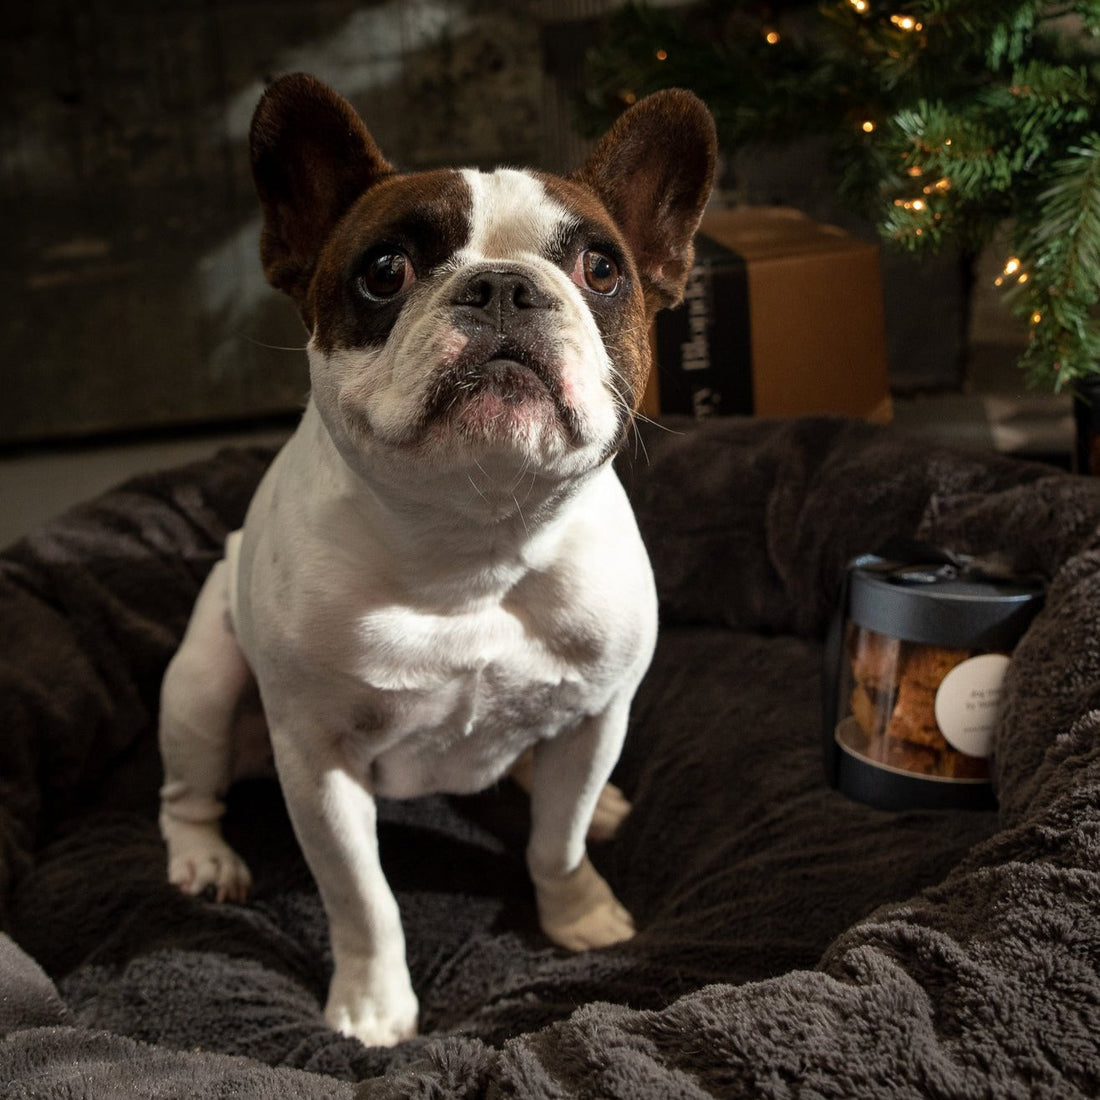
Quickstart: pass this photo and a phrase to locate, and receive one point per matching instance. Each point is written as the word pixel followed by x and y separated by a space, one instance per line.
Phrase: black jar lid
pixel 941 603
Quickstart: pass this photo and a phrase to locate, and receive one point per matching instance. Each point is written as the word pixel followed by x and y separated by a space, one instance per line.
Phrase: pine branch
pixel 1059 247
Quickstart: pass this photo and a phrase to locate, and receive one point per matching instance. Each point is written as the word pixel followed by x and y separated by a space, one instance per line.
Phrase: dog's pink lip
pixel 513 368
pixel 479 392
pixel 503 379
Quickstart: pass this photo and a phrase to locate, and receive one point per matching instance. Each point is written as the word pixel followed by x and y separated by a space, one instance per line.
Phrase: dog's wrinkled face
pixel 482 311
pixel 458 316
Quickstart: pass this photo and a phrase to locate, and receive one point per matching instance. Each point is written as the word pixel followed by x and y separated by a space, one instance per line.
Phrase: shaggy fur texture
pixel 790 939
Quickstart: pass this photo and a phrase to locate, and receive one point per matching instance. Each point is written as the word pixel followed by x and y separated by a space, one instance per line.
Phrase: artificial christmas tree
pixel 947 119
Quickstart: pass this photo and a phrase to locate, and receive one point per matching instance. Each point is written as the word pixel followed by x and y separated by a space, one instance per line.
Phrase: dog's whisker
pixel 476 487
pixel 522 474
pixel 639 442
pixel 656 424
pixel 531 487
pixel 519 512
pixel 489 479
pixel 273 347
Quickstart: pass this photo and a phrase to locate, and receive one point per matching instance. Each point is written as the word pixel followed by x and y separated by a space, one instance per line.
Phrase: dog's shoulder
pixel 597 591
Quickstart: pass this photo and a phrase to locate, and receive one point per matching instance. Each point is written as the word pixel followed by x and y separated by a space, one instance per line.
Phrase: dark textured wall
pixel 131 289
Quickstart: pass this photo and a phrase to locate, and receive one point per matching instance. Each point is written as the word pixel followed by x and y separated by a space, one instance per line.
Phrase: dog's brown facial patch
pixel 620 316
pixel 423 218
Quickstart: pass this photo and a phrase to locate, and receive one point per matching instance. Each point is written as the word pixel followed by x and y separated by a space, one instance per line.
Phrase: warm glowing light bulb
pixel 1012 266
pixel 662 55
pixel 859 5
pixel 868 127
pixel 1036 317
pixel 772 37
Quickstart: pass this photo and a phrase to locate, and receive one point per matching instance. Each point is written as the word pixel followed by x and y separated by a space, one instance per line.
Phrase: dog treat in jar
pixel 915 671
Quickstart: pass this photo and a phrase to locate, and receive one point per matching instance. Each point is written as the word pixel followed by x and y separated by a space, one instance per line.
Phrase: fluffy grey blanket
pixel 792 943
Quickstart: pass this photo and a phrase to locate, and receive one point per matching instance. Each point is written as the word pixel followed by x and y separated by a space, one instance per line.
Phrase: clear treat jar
pixel 915 666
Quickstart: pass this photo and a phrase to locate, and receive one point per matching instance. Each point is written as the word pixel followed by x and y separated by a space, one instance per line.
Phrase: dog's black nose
pixel 501 294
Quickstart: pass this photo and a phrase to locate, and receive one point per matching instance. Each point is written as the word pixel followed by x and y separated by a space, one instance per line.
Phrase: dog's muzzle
pixel 512 349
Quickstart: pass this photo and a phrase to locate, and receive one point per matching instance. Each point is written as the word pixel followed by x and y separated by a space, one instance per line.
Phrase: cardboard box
pixel 782 316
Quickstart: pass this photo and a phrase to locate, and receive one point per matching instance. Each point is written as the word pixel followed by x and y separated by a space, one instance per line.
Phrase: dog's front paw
pixel 372 1003
pixel 199 859
pixel 578 911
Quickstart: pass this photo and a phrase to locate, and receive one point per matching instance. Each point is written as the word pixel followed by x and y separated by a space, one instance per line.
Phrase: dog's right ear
pixel 653 170
pixel 312 157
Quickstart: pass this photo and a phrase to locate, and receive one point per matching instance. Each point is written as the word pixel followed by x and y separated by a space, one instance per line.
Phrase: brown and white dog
pixel 439 578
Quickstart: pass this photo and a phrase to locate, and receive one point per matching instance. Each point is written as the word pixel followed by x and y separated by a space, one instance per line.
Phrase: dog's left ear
pixel 654 170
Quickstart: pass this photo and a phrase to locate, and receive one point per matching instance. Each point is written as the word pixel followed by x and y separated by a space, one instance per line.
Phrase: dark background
pixel 132 295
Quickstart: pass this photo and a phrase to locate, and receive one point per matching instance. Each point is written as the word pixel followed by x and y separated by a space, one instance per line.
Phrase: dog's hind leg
pixel 199 698
pixel 576 906
pixel 612 806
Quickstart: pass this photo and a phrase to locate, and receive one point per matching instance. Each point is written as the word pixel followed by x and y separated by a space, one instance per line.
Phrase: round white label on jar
pixel 968 703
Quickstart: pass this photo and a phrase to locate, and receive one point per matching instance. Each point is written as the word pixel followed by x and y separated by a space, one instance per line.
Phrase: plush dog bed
pixel 792 942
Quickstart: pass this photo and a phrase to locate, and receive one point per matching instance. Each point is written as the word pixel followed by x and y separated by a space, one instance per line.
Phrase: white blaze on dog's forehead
pixel 511 214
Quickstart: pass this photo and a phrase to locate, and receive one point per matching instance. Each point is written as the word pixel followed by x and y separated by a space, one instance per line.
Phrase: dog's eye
pixel 386 272
pixel 597 271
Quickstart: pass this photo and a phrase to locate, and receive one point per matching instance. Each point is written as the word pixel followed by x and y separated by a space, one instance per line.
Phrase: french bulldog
pixel 439 578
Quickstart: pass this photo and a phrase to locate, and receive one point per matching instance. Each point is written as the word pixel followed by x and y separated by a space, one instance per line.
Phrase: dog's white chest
pixel 449 701
pixel 405 649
